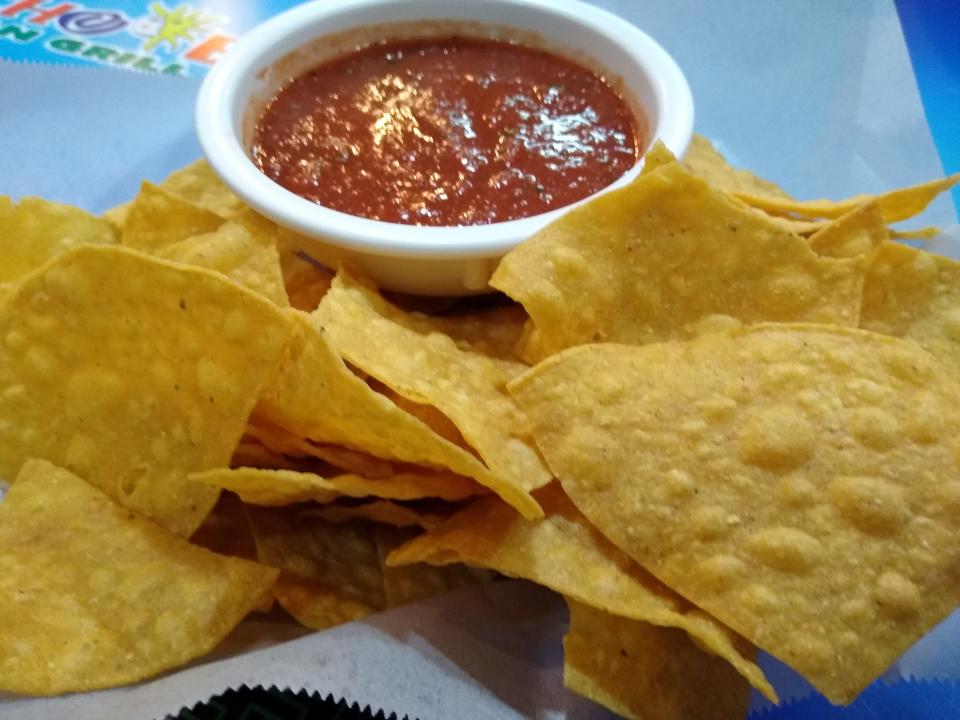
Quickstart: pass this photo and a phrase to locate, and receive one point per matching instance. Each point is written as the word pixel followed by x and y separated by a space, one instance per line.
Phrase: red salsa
pixel 451 131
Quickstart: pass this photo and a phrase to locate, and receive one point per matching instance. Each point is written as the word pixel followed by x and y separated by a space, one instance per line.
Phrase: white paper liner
pixel 492 652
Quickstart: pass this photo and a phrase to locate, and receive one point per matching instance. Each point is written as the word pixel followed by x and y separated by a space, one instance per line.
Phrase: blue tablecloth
pixel 932 31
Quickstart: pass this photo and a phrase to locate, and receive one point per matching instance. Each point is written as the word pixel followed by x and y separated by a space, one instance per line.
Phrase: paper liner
pixel 494 649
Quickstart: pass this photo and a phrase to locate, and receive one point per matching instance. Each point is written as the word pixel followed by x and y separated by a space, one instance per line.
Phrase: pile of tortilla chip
pixel 714 418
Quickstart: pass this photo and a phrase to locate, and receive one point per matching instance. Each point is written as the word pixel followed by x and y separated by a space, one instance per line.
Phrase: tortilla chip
pixel 925 233
pixel 494 332
pixel 131 372
pixel 646 672
pixel 656 157
pixel 413 583
pixel 330 574
pixel 797 482
pixel 794 225
pixel 314 395
pixel 384 512
pixel 427 414
pixel 198 184
pixel 93 596
pixel 226 530
pixel 117 216
pixel 357 463
pixel 651 260
pixel 564 553
pixel 895 205
pixel 250 453
pixel 233 251
pixel 528 347
pixel 706 162
pixel 306 280
pixel 34 231
pixel 409 353
pixel 853 234
pixel 913 294
pixel 259 486
pixel 158 218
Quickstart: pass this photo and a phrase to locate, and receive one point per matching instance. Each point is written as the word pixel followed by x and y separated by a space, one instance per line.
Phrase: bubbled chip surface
pixel 798 482
pixel 914 294
pixel 92 595
pixel 564 553
pixel 131 372
pixel 34 231
pixel 654 260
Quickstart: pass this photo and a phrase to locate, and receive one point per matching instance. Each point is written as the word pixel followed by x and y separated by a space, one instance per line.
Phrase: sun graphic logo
pixel 173 27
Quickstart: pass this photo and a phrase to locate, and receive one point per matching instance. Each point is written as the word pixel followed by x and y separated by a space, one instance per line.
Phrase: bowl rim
pixel 225 151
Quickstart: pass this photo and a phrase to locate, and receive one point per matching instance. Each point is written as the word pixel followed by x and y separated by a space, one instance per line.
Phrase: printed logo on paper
pixel 169 38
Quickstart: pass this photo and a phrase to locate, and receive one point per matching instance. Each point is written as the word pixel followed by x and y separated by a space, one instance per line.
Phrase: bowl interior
pixel 293 43
pixel 261 84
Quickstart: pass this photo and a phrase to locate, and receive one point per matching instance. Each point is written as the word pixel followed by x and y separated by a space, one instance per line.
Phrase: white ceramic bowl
pixel 424 260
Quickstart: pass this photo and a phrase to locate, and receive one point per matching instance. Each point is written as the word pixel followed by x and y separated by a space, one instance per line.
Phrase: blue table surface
pixel 932 31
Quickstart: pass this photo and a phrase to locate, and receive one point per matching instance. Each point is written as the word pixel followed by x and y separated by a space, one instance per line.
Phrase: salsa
pixel 451 131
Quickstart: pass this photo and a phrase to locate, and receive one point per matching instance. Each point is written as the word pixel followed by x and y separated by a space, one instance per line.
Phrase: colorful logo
pixel 156 37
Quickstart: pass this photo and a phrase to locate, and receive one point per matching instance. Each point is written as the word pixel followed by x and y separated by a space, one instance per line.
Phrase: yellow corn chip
pixel 895 205
pixel 494 332
pixel 855 233
pixel 131 372
pixel 251 453
pixel 305 279
pixel 226 530
pixel 312 394
pixel 158 218
pixel 564 553
pixel 35 231
pixel 260 227
pixel 800 483
pixel 427 414
pixel 409 353
pixel 793 225
pixel 381 511
pixel 913 294
pixel 650 261
pixel 91 595
pixel 117 216
pixel 528 346
pixel 413 583
pixel 926 233
pixel 646 672
pixel 656 157
pixel 232 250
pixel 330 574
pixel 357 463
pixel 199 185
pixel 706 162
pixel 259 486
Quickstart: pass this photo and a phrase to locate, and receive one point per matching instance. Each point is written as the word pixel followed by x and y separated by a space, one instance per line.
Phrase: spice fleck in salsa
pixel 450 131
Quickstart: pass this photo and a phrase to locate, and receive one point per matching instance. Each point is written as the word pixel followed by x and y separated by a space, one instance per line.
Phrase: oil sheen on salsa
pixel 450 131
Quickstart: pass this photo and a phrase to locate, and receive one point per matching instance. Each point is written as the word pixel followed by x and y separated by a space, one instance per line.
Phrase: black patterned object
pixel 273 704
